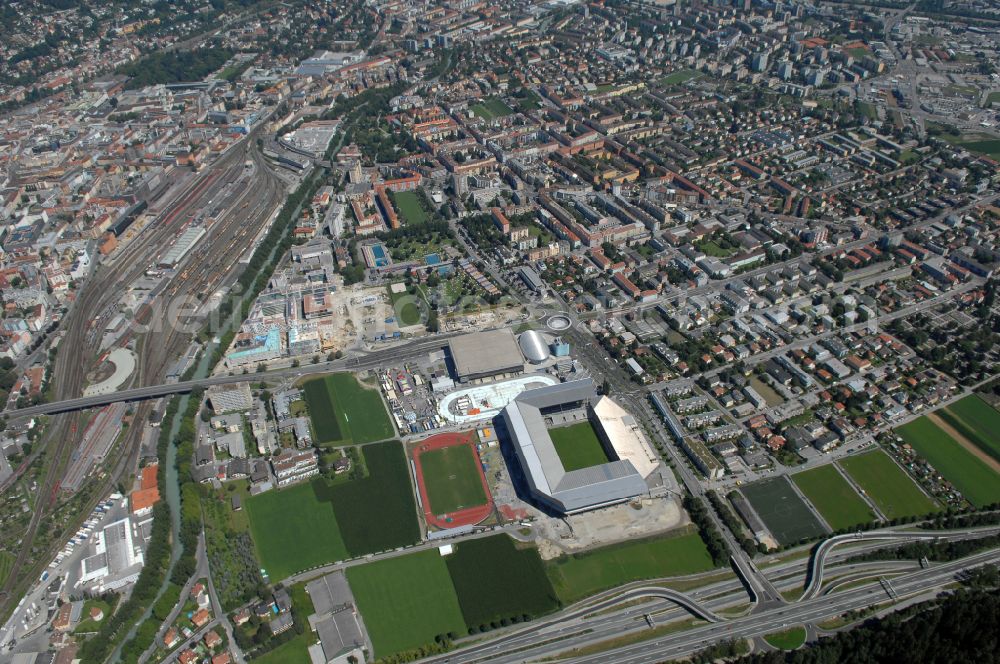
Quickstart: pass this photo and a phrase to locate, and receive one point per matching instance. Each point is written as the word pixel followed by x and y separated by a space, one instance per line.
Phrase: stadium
pixel 578 451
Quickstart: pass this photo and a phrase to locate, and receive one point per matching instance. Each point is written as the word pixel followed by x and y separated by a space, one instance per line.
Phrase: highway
pixel 594 624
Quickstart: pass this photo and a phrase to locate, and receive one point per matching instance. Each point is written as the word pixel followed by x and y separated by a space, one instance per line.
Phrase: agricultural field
pixel 377 512
pixel 452 479
pixel 406 601
pixel 889 487
pixel 977 481
pixel 491 108
pixel 578 446
pixel 294 529
pixel 577 576
pixel 343 412
pixel 834 497
pixel 782 511
pixel 977 421
pixel 495 580
pixel 410 205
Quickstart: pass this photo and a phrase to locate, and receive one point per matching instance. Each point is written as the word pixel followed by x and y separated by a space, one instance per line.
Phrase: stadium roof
pixel 485 354
pixel 574 490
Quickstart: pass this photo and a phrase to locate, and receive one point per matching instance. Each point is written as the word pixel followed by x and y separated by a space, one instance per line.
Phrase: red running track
pixel 469 516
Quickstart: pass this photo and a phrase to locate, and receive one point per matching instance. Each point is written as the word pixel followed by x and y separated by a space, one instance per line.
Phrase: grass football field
pixel 679 77
pixel 491 108
pixel 343 412
pixel 970 475
pixel 782 511
pixel 411 207
pixel 452 479
pixel 293 529
pixel 891 489
pixel 406 601
pixel 577 576
pixel 834 497
pixel 578 446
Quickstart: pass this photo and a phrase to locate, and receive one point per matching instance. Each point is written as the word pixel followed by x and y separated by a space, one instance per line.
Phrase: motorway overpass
pixel 367 361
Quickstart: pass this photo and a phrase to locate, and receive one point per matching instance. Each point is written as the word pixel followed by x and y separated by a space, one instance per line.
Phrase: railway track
pixel 82 331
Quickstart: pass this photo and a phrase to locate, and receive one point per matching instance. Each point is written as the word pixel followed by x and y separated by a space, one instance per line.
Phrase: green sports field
pixel 410 207
pixel 578 446
pixel 406 601
pixel 679 77
pixel 452 479
pixel 976 420
pixel 294 530
pixel 494 579
pixel 970 475
pixel 834 497
pixel 577 576
pixel 491 108
pixel 891 489
pixel 782 511
pixel 345 413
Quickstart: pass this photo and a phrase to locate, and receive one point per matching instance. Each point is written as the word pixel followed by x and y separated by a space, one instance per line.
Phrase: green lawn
pixel 763 389
pixel 889 487
pixel 993 99
pixel 494 579
pixel 293 529
pixel 343 412
pixel 868 110
pixel 679 77
pixel 452 479
pixel 712 248
pixel 6 564
pixel 297 649
pixel 790 639
pixel 408 308
pixel 970 475
pixel 976 420
pixel 782 511
pixel 410 205
pixel 581 575
pixel 406 601
pixel 833 496
pixel 491 108
pixel 578 446
pixel 86 625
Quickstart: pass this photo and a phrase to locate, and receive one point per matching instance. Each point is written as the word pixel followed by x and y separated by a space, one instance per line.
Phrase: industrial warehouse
pixel 629 468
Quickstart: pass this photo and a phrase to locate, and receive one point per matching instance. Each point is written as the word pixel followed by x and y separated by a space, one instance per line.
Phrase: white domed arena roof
pixel 533 346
